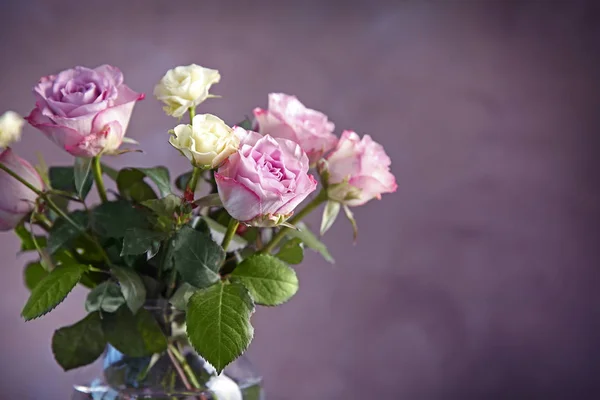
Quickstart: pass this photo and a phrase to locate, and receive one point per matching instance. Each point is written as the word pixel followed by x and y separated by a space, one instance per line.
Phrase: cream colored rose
pixel 11 124
pixel 184 87
pixel 207 142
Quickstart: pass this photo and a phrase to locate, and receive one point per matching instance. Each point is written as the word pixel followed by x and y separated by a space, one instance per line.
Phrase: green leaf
pixel 268 279
pixel 79 344
pixel 110 172
pixel 131 185
pixel 330 213
pixel 182 180
pixel 132 287
pixel 160 176
pixel 164 207
pixel 106 296
pixel 52 290
pixel 350 217
pixel 65 179
pixel 246 124
pixel 197 257
pixel 27 241
pixel 136 335
pixel 82 176
pixel 139 241
pixel 291 251
pixel 34 273
pixel 181 296
pixel 218 323
pixel 111 219
pixel 217 232
pixel 63 232
pixel 309 239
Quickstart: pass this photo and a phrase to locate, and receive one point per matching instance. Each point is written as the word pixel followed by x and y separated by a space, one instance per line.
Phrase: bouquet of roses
pixel 217 242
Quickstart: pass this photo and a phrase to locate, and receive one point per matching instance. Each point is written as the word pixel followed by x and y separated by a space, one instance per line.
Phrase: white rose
pixel 11 124
pixel 207 142
pixel 184 87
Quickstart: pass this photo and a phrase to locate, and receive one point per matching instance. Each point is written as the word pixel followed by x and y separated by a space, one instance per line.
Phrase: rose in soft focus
pixel 263 182
pixel 288 118
pixel 185 87
pixel 85 111
pixel 16 199
pixel 207 142
pixel 11 125
pixel 357 170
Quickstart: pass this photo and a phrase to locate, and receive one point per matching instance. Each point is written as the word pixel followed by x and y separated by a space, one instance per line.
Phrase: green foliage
pixel 291 251
pixel 63 232
pixel 160 177
pixel 136 335
pixel 182 295
pixel 268 279
pixel 218 323
pixel 82 174
pixel 132 186
pixel 52 290
pixel 330 214
pixel 309 239
pixel 139 241
pixel 64 179
pixel 34 273
pixel 182 180
pixel 132 287
pixel 106 296
pixel 79 344
pixel 196 257
pixel 111 219
pixel 28 240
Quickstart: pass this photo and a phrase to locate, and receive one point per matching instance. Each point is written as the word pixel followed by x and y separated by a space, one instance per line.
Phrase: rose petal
pixel 241 203
pixel 61 135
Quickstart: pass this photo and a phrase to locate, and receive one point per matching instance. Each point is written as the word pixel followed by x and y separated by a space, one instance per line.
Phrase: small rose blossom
pixel 263 182
pixel 357 171
pixel 207 142
pixel 84 111
pixel 11 125
pixel 16 199
pixel 288 118
pixel 185 87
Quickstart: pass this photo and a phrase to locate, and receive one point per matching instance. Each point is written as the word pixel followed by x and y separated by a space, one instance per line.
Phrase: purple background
pixel 478 279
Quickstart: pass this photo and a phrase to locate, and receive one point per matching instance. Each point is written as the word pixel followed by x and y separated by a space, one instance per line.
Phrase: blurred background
pixel 478 279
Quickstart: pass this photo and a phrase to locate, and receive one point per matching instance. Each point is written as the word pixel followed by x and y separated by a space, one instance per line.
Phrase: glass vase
pixel 179 373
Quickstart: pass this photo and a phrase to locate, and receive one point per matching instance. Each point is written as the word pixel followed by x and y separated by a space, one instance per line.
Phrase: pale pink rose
pixel 357 170
pixel 85 111
pixel 16 199
pixel 288 118
pixel 263 182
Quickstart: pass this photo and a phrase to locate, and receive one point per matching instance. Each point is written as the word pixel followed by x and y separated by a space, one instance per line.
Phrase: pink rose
pixel 85 111
pixel 264 180
pixel 287 118
pixel 16 200
pixel 357 170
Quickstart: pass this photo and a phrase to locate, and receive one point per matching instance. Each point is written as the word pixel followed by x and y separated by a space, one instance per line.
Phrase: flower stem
pixel 184 364
pixel 316 202
pixel 97 169
pixel 57 210
pixel 194 179
pixel 231 229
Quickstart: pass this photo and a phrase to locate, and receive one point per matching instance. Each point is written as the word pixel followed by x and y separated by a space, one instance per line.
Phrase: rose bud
pixel 288 118
pixel 185 87
pixel 263 182
pixel 207 142
pixel 11 125
pixel 84 111
pixel 16 199
pixel 357 171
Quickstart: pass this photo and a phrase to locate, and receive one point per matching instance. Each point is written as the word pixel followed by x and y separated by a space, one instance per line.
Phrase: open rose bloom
pixel 288 118
pixel 84 111
pixel 265 180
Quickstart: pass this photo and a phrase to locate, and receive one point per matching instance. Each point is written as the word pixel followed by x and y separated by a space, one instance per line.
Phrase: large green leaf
pixel 106 296
pixel 64 178
pixel 33 274
pixel 268 279
pixel 82 173
pixel 27 239
pixel 79 344
pixel 291 251
pixel 218 323
pixel 160 176
pixel 139 241
pixel 196 257
pixel 309 239
pixel 136 335
pixel 63 232
pixel 131 185
pixel 112 219
pixel 132 287
pixel 181 296
pixel 52 290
